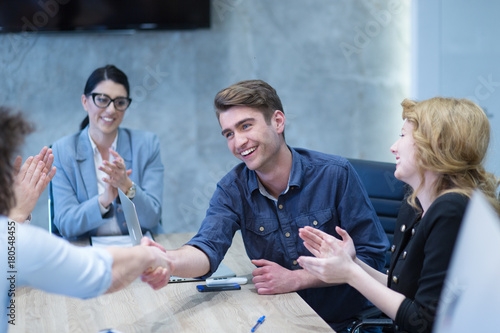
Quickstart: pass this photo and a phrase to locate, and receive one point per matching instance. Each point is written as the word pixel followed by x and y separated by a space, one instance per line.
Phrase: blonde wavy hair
pixel 451 138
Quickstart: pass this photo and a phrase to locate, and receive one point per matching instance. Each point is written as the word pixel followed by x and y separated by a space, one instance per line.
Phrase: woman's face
pixel 104 121
pixel 404 150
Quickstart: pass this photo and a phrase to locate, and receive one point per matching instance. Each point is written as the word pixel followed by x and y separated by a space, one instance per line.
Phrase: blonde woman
pixel 440 155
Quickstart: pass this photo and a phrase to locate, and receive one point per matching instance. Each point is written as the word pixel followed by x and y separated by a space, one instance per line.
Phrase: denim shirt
pixel 324 192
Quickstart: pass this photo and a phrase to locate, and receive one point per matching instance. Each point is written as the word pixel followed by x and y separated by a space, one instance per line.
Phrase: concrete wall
pixel 341 69
pixel 456 54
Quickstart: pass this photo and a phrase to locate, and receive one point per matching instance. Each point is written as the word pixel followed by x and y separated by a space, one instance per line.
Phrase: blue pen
pixel 260 321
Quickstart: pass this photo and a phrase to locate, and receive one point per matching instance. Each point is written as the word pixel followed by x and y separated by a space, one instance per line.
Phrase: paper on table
pixel 119 240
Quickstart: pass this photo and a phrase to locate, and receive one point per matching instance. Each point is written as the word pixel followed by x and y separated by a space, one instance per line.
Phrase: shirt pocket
pixel 262 234
pixel 322 220
pixel 318 219
pixel 262 226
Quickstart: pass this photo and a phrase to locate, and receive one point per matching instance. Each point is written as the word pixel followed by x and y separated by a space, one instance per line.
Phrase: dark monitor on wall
pixel 102 15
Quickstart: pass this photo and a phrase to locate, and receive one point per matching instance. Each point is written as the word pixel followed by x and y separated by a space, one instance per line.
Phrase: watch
pixel 131 192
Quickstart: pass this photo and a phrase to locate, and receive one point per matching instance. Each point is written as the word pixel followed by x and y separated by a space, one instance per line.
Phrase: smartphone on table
pixel 203 288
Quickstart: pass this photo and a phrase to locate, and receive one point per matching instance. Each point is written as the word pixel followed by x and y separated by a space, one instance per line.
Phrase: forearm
pixel 305 280
pixel 376 275
pixel 387 300
pixel 188 261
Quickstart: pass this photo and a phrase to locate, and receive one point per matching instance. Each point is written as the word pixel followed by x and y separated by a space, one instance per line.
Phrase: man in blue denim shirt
pixel 276 191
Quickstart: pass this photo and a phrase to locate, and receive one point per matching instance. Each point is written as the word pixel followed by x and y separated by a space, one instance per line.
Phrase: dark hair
pixel 13 129
pixel 108 72
pixel 252 93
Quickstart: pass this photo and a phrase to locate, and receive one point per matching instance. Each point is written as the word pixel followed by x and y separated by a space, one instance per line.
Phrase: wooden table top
pixel 178 307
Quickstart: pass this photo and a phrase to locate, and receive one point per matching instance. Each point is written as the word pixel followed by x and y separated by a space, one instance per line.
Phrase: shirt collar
pixel 94 146
pixel 295 179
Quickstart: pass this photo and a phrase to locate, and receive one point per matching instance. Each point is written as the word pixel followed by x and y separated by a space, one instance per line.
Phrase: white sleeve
pixel 52 264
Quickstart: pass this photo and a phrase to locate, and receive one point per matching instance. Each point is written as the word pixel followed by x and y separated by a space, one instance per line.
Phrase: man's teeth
pixel 248 151
pixel 107 119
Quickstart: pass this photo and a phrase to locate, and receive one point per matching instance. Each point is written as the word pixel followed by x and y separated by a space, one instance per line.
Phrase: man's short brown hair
pixel 255 94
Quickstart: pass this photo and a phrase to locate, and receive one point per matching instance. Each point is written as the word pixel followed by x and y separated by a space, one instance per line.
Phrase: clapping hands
pixel 30 180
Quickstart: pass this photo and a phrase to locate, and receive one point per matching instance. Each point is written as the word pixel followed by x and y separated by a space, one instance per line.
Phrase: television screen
pixel 88 15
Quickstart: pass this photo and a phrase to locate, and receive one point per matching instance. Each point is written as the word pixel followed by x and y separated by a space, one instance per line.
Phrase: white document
pixel 119 240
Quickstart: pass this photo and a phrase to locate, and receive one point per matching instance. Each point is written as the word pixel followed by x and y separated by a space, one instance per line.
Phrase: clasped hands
pixel 118 177
pixel 159 275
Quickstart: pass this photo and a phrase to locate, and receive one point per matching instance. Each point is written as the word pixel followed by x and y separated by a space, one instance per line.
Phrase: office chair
pixel 386 194
pixel 52 227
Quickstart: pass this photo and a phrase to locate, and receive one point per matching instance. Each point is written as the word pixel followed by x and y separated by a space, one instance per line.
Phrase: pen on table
pixel 260 321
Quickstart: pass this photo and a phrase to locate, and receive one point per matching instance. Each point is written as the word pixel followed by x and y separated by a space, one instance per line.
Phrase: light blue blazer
pixel 76 206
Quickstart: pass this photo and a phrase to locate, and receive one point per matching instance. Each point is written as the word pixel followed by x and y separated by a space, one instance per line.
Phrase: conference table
pixel 178 307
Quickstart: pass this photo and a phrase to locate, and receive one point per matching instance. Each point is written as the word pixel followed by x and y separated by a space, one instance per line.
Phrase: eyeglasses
pixel 103 101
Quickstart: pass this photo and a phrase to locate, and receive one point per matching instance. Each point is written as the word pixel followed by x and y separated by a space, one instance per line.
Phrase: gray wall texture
pixel 341 68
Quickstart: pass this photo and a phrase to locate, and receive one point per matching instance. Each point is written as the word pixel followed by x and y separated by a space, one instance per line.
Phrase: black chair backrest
pixel 385 192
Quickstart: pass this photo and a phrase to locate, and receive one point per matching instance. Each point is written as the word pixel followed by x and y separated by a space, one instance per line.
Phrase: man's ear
pixel 279 121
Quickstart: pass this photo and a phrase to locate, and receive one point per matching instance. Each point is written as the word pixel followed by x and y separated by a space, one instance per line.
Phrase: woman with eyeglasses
pixel 102 158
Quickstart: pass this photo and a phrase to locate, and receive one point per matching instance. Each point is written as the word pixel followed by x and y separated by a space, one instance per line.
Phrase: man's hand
pixel 160 276
pixel 270 278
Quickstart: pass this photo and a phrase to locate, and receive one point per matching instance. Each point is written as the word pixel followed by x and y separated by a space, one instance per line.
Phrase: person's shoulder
pixel 450 204
pixel 452 198
pixel 238 173
pixel 65 148
pixel 314 157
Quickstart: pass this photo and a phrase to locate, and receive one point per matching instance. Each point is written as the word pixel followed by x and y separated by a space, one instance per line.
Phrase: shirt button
pixel 294 262
pixel 287 234
pixel 395 279
pixel 413 231
pixel 119 209
pixel 403 228
pixel 404 254
pixel 280 206
pixel 387 272
pixel 393 248
pixel 261 228
pixel 315 222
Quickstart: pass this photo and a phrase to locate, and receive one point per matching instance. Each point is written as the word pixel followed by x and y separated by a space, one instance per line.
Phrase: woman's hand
pixel 118 175
pixel 333 263
pixel 314 241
